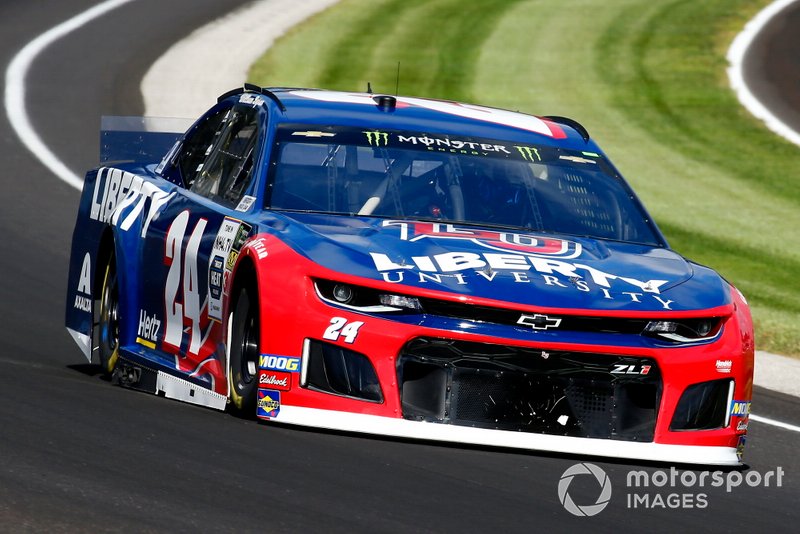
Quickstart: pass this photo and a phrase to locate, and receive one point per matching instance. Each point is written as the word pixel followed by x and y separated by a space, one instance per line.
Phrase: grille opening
pixel 340 371
pixel 702 406
pixel 424 390
pixel 512 388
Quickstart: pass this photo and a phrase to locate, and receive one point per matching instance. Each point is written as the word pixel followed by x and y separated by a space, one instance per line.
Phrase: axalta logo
pixel 740 408
pixel 279 363
pixel 527 244
pixel 115 190
pixel 376 138
pixel 83 298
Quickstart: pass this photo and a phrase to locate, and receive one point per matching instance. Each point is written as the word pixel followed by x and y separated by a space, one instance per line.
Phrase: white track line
pixel 15 89
pixel 773 422
pixel 736 55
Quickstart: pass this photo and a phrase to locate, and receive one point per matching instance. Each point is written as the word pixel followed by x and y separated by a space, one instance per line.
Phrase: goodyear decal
pixel 272 362
pixel 269 403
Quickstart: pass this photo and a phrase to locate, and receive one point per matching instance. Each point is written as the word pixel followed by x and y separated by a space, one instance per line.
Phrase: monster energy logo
pixel 377 138
pixel 529 153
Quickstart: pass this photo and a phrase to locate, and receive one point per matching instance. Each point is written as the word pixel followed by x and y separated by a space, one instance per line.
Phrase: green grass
pixel 646 77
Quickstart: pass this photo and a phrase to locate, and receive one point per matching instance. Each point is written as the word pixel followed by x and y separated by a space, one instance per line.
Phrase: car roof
pixel 403 113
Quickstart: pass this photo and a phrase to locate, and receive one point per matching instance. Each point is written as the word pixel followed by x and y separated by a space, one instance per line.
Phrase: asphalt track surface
pixel 771 66
pixel 77 453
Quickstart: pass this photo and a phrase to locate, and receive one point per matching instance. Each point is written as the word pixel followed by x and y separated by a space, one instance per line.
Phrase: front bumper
pixel 572 402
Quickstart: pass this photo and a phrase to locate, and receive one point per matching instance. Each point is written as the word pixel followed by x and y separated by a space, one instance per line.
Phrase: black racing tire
pixel 109 320
pixel 243 346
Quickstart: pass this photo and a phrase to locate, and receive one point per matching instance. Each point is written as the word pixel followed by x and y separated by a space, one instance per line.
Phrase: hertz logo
pixel 377 138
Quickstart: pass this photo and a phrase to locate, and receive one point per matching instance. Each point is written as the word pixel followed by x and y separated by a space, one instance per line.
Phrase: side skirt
pixel 135 376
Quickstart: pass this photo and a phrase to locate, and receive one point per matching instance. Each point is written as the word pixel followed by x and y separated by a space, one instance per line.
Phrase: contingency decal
pixel 246 203
pixel 740 408
pixel 724 366
pixel 274 380
pixel 740 447
pixel 269 403
pixel 273 362
pixel 224 253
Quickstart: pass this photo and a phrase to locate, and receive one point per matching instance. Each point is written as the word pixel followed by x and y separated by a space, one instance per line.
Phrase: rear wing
pixel 138 139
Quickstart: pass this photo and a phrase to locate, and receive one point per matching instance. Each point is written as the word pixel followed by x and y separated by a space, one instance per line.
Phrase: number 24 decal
pixel 339 327
pixel 188 310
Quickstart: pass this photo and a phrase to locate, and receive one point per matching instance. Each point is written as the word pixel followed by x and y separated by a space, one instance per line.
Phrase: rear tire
pixel 243 346
pixel 109 320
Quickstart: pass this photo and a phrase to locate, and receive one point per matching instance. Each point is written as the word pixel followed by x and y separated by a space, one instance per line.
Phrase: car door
pixel 191 246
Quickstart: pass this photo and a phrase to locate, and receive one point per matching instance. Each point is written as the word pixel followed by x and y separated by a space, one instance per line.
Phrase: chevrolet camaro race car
pixel 404 267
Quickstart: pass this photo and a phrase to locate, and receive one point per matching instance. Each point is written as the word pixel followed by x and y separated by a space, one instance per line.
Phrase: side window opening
pixel 226 169
pixel 196 147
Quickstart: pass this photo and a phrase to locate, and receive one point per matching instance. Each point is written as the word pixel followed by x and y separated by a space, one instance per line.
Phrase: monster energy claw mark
pixel 377 138
pixel 529 153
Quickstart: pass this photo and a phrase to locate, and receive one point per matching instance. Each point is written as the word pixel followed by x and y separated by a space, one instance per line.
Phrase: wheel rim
pixel 109 321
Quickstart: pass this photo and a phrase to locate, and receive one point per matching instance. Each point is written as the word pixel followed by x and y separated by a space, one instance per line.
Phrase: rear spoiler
pixel 138 139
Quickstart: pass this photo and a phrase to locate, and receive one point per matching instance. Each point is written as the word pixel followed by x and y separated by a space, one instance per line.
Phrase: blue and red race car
pixel 405 267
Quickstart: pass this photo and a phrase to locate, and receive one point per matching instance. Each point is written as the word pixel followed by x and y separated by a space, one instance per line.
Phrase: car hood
pixel 501 264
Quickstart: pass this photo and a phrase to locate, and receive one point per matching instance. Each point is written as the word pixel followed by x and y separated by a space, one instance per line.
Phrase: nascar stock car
pixel 404 267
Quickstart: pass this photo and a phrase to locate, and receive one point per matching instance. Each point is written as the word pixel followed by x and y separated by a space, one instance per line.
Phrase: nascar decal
pixel 116 190
pixel 269 403
pixel 497 116
pixel 83 298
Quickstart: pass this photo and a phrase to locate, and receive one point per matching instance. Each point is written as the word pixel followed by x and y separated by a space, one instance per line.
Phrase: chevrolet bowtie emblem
pixel 539 321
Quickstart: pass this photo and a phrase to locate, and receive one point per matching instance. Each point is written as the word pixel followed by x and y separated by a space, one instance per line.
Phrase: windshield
pixel 412 175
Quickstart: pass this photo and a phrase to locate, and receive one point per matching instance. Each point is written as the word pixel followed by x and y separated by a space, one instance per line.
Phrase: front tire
pixel 243 346
pixel 109 320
